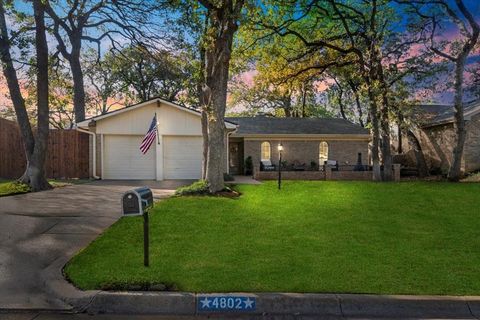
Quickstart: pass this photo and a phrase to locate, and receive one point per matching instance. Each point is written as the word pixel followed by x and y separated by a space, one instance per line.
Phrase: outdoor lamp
pixel 280 149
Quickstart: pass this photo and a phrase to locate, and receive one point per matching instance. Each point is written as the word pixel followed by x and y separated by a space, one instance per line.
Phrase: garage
pixel 176 153
pixel 123 159
pixel 182 157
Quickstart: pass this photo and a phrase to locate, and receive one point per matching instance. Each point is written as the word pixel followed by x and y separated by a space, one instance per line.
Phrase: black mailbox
pixel 137 201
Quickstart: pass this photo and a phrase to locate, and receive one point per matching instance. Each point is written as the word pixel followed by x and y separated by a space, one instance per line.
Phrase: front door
pixel 234 157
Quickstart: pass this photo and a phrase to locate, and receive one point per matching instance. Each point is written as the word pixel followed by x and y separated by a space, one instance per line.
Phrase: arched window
pixel 265 151
pixel 323 153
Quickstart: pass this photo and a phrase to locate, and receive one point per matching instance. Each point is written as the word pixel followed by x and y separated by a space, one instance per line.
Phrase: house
pixel 177 153
pixel 306 141
pixel 436 135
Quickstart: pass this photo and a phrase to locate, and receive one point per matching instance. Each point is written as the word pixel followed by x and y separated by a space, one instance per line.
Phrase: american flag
pixel 150 136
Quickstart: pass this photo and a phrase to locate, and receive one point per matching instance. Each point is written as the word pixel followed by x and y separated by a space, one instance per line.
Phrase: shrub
pixel 248 166
pixel 197 188
pixel 11 188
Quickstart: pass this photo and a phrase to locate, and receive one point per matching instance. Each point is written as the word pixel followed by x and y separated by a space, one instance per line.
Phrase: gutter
pixel 94 136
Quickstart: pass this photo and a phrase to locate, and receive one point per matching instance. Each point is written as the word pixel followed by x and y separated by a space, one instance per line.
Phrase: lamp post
pixel 280 149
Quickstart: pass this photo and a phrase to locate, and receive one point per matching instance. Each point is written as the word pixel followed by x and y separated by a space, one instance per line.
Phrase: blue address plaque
pixel 212 303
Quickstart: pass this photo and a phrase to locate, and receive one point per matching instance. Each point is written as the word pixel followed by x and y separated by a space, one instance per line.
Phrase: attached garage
pixel 123 159
pixel 182 157
pixel 176 153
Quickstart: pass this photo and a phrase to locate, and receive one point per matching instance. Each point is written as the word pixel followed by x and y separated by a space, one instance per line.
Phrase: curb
pixel 308 304
pixel 325 305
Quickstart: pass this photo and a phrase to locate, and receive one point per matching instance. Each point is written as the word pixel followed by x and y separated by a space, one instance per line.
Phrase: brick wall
pixel 438 142
pixel 472 145
pixel 328 174
pixel 305 151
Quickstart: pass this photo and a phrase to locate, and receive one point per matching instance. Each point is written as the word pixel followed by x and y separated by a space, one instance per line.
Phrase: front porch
pixel 302 158
pixel 327 173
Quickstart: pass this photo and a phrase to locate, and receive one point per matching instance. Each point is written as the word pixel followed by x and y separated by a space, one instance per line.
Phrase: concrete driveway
pixel 36 229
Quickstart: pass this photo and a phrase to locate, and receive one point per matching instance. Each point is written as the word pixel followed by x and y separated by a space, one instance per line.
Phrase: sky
pixel 449 33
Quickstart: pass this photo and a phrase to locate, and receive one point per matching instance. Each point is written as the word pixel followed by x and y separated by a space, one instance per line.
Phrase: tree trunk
pixel 357 102
pixel 10 75
pixel 78 85
pixel 223 24
pixel 377 174
pixel 304 98
pixel 375 131
pixel 385 125
pixel 204 144
pixel 454 173
pixel 419 157
pixel 36 168
pixel 399 134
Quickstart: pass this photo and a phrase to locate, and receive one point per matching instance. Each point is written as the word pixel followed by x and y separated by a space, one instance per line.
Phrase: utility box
pixel 137 201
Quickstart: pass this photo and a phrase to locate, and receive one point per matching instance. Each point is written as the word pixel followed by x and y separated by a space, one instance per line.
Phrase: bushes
pixel 13 187
pixel 197 188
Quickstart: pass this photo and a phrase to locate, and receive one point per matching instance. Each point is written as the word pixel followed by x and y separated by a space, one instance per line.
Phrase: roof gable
pixel 143 104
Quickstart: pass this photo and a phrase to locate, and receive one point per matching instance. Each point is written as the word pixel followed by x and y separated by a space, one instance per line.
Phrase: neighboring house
pixel 437 136
pixel 177 154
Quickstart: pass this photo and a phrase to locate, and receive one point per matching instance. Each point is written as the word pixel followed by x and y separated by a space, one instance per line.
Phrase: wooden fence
pixel 67 155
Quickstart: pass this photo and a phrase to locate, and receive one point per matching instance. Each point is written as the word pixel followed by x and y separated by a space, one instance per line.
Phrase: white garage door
pixel 123 159
pixel 182 157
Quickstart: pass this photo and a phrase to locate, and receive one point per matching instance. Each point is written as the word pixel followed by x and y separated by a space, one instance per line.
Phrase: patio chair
pixel 266 165
pixel 333 164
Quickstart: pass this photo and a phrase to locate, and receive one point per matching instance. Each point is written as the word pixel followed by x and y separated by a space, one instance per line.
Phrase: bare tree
pixel 93 21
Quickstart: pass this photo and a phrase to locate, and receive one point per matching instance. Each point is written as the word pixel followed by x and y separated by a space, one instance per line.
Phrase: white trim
pixel 85 123
pixel 102 142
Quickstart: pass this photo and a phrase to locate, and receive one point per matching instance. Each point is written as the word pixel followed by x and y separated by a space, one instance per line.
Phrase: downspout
pixel 94 156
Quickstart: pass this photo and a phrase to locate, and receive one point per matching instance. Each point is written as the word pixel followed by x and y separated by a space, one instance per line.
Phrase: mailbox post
pixel 138 202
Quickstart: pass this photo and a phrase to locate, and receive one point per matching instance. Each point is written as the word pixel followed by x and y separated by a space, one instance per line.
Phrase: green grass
pixel 357 237
pixel 9 187
pixel 12 187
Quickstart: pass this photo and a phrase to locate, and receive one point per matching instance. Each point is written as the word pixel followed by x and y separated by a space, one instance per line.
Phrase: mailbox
pixel 135 202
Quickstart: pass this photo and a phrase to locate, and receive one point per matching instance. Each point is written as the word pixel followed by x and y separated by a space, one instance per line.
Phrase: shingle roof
pixel 270 125
pixel 434 114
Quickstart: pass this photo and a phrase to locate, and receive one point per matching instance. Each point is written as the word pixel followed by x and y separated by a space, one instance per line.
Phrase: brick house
pixel 305 141
pixel 115 139
pixel 437 136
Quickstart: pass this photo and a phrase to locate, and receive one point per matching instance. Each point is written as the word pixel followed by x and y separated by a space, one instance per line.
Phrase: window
pixel 323 153
pixel 265 152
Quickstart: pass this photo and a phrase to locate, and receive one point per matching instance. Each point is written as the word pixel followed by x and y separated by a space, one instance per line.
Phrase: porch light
pixel 280 149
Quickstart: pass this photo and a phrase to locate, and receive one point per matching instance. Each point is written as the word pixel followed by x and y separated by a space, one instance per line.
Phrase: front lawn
pixel 358 237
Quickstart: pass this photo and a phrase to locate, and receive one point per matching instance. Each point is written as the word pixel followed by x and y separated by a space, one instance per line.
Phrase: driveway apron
pixel 38 228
